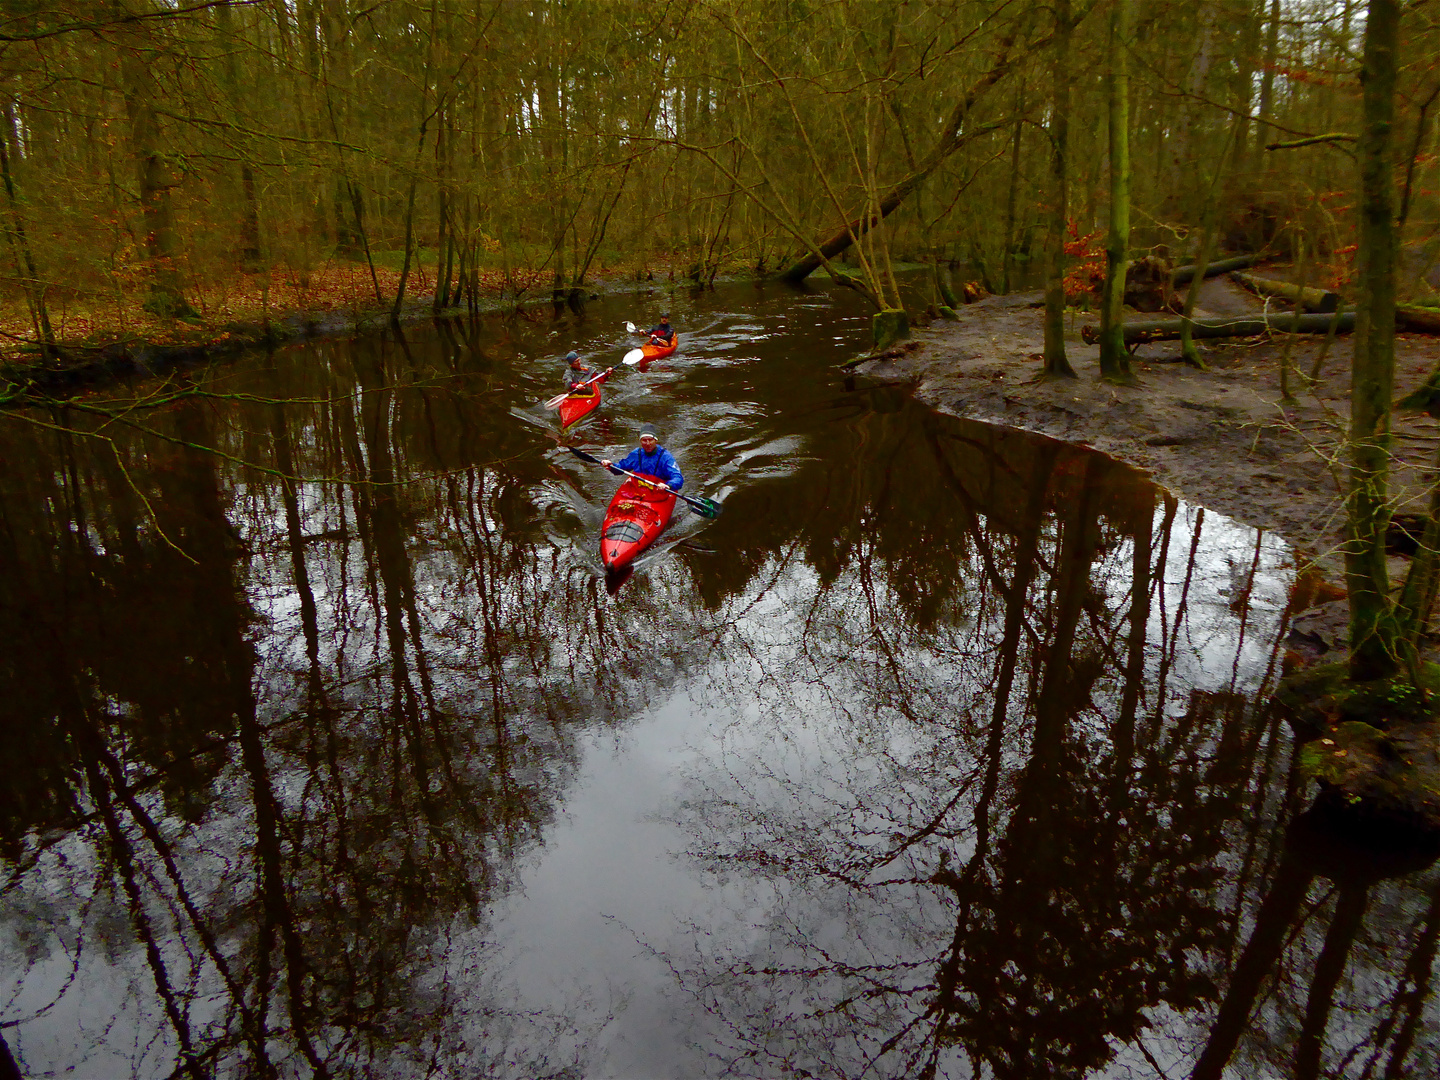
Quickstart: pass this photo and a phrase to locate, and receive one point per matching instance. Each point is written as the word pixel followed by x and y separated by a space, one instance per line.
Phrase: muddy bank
pixel 1222 438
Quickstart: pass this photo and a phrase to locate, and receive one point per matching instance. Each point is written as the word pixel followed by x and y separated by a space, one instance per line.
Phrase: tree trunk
pixel 1114 359
pixel 399 303
pixel 1373 628
pixel 1267 77
pixel 308 26
pixel 1182 274
pixel 1245 81
pixel 1137 332
pixel 1180 143
pixel 250 209
pixel 1056 362
pixel 954 136
pixel 1267 940
pixel 167 298
pixel 425 117
pixel 1421 319
pixel 8 1069
pixel 1007 265
pixel 1313 300
pixel 1344 928
pixel 1201 270
pixel 944 285
pixel 24 258
pixel 1187 330
pixel 444 241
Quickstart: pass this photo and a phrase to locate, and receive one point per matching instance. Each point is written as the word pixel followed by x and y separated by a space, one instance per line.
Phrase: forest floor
pixel 101 337
pixel 1222 439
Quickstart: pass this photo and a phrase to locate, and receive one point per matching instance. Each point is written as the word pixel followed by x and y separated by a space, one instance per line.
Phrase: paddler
pixel 652 459
pixel 663 333
pixel 576 372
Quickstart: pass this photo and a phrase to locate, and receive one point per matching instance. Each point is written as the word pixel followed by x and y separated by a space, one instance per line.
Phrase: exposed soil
pixel 1221 438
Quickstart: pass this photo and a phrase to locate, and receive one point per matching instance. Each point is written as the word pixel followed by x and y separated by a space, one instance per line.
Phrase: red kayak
pixel 638 514
pixel 581 403
pixel 655 352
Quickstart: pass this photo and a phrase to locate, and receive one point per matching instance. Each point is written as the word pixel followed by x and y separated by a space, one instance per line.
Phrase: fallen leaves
pixel 91 321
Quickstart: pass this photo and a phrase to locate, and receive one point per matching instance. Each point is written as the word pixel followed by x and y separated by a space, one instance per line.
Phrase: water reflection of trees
pixel 293 734
pixel 998 787
pixel 1017 796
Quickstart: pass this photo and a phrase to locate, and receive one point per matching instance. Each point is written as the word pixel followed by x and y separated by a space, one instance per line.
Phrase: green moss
pixel 1310 685
pixel 1327 688
pixel 1318 763
pixel 889 326
pixel 1350 750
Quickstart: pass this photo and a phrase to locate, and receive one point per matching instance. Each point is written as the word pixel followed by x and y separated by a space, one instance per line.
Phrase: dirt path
pixel 1219 438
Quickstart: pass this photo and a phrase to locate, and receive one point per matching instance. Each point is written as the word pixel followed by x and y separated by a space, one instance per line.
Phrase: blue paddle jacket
pixel 661 463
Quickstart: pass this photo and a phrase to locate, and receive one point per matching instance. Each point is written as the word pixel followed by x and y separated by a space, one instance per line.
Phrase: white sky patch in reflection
pixel 610 890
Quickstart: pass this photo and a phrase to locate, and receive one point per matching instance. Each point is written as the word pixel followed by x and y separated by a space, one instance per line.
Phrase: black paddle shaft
pixel 704 507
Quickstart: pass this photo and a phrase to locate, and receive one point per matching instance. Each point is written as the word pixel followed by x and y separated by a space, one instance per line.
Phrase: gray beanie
pixel 649 429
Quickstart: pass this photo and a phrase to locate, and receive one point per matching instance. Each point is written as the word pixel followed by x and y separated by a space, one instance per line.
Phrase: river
pixel 945 750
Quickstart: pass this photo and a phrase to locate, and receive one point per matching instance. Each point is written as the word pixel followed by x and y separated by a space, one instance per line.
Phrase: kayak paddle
pixel 633 357
pixel 554 402
pixel 706 508
pixel 630 327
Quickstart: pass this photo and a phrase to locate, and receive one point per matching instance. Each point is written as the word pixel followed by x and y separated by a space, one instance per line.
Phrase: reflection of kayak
pixel 655 352
pixel 637 515
pixel 582 403
pixel 617 576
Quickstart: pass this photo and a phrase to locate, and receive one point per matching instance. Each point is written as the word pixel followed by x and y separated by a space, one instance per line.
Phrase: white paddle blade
pixel 554 402
pixel 634 356
pixel 630 327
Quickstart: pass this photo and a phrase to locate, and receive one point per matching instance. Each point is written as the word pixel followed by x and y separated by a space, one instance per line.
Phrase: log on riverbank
pixel 1413 317
pixel 1143 330
pixel 1318 301
pixel 1182 274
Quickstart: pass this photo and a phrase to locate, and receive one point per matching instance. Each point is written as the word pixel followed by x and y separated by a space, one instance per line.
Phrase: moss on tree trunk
pixel 889 326
pixel 1374 630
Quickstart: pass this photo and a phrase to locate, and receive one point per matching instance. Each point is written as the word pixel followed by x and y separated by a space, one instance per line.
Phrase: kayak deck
pixel 581 404
pixel 637 515
pixel 655 352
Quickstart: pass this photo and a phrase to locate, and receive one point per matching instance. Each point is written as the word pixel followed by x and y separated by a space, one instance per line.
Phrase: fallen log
pixel 1320 301
pixel 1182 274
pixel 1142 330
pixel 1412 317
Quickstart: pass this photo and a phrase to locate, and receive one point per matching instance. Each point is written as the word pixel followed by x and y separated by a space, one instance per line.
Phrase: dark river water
pixel 944 751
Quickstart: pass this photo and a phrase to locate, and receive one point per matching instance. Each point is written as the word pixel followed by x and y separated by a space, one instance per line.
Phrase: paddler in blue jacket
pixel 652 459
